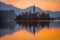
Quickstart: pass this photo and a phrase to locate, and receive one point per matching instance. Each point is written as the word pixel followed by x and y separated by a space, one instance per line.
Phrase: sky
pixel 44 34
pixel 53 5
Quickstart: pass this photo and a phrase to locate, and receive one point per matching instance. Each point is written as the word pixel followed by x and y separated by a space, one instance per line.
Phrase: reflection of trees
pixel 34 24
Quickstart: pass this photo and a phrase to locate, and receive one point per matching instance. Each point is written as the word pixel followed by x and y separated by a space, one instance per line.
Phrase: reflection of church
pixel 33 15
pixel 32 26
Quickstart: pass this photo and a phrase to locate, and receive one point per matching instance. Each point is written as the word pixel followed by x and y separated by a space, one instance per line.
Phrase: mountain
pixel 4 6
pixel 18 11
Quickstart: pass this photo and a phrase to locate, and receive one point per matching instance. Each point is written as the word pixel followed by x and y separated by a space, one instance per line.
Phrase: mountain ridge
pixel 18 11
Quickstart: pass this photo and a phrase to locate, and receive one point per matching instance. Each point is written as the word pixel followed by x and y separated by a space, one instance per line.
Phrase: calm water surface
pixel 33 30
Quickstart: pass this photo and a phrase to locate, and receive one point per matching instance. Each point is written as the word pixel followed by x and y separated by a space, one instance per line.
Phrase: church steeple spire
pixel 34 8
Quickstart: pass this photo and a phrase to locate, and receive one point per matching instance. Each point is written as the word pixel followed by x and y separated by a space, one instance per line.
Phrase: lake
pixel 30 30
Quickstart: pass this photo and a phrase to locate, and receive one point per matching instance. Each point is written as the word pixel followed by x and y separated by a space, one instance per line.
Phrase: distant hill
pixel 4 6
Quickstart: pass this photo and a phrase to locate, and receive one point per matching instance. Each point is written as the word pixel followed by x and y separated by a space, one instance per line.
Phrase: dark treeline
pixel 33 16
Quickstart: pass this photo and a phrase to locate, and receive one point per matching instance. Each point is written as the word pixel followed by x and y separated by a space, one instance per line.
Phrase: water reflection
pixel 9 27
pixel 33 26
pixel 44 34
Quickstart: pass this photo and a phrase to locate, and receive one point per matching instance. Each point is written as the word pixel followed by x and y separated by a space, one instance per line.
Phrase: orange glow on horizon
pixel 44 34
pixel 53 5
